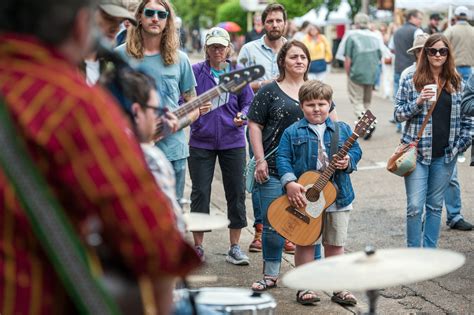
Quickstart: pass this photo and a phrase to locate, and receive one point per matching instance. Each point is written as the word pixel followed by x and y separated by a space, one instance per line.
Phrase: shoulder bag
pixel 403 160
pixel 250 171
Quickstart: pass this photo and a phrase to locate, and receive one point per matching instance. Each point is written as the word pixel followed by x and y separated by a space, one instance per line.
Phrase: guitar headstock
pixel 234 81
pixel 364 123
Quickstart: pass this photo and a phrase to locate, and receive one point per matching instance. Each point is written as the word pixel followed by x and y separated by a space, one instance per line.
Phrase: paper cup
pixel 433 87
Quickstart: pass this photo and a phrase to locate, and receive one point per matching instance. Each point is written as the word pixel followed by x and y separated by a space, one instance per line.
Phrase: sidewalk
pixel 378 219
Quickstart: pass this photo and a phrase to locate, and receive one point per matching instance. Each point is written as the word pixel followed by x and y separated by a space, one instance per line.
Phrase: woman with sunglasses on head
pixel 219 134
pixel 446 135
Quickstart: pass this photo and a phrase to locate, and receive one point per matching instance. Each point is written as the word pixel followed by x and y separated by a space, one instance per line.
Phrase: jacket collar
pixel 303 123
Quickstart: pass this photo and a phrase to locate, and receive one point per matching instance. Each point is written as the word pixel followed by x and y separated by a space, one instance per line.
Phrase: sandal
pixel 344 298
pixel 307 297
pixel 264 284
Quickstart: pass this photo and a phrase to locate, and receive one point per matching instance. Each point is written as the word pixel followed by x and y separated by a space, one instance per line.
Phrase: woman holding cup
pixel 435 82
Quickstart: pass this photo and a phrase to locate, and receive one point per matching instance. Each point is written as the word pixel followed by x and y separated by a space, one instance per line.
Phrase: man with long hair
pixel 154 45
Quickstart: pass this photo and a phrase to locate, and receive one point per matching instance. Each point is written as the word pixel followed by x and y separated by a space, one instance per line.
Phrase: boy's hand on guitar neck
pixel 296 194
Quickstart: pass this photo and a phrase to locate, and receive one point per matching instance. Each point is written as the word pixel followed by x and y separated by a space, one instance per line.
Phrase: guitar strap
pixel 334 140
pixel 50 224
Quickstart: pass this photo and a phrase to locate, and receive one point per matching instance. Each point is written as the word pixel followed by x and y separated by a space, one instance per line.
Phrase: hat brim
pixel 118 12
pixel 411 50
pixel 217 40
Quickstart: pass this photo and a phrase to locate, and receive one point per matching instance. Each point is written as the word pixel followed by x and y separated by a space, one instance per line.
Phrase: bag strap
pixel 334 140
pixel 427 118
pixel 270 153
pixel 50 224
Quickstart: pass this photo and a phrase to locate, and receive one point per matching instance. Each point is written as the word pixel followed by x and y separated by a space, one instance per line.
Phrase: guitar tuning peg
pixel 237 76
pixel 246 73
pixel 226 79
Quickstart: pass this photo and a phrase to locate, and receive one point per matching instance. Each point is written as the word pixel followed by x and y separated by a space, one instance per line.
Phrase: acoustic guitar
pixel 231 82
pixel 303 226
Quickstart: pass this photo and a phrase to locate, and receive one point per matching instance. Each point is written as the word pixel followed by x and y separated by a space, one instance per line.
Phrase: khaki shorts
pixel 335 228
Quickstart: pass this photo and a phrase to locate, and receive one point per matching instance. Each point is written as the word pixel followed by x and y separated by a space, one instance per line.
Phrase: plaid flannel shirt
pixel 407 110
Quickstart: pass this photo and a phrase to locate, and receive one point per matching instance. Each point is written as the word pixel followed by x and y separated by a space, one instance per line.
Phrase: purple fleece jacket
pixel 216 130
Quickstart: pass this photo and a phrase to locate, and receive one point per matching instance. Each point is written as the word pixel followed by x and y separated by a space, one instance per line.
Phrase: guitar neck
pixel 198 102
pixel 329 171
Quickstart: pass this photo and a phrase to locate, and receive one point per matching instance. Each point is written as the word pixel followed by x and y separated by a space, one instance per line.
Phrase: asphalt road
pixel 378 219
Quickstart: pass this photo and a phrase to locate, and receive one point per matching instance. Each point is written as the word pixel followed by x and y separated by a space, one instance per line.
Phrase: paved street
pixel 378 219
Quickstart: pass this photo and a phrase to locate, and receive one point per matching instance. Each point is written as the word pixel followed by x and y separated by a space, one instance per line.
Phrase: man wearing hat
pixel 461 37
pixel 432 27
pixel 108 17
pixel 452 196
pixel 362 54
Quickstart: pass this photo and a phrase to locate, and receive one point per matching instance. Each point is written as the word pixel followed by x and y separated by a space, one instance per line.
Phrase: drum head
pixel 231 296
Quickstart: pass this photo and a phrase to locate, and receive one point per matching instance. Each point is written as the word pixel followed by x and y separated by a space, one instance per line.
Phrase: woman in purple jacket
pixel 220 133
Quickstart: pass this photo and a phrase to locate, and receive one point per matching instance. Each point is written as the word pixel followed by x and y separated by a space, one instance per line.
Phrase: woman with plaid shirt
pixel 446 134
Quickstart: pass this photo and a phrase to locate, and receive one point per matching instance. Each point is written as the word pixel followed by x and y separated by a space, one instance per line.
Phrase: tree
pixel 232 11
pixel 196 12
pixel 296 8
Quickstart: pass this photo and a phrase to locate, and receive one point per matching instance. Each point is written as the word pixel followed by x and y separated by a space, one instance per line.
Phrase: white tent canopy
pixel 319 17
pixel 430 5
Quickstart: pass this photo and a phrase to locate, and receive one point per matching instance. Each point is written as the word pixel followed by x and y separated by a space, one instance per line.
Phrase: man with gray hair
pixel 362 53
pixel 80 144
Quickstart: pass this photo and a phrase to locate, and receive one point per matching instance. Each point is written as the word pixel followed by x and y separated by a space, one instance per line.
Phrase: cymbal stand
pixel 372 295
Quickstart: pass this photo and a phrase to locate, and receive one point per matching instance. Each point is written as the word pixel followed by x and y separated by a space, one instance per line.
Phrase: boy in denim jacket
pixel 305 146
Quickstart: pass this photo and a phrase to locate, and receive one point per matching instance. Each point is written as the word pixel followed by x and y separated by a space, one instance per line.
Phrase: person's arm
pixel 347 65
pixel 407 100
pixel 328 51
pixel 256 140
pixel 467 104
pixel 348 56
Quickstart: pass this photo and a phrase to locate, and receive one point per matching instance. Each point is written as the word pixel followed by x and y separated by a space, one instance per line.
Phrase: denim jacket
pixel 298 153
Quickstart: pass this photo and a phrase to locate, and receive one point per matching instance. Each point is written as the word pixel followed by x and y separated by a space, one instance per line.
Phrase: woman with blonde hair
pixel 447 134
pixel 320 52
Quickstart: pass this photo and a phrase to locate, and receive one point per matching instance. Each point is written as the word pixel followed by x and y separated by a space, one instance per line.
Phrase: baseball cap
pixel 118 9
pixel 435 16
pixel 361 19
pixel 217 35
pixel 418 42
pixel 461 11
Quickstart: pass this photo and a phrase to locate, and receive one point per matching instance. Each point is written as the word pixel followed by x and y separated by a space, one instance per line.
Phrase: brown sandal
pixel 313 298
pixel 344 298
pixel 265 284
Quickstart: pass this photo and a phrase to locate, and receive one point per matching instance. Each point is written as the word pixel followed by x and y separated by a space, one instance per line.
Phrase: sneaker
pixel 200 251
pixel 462 225
pixel 236 256
pixel 289 247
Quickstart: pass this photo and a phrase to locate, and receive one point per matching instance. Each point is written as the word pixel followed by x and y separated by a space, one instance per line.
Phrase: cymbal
pixel 384 268
pixel 200 222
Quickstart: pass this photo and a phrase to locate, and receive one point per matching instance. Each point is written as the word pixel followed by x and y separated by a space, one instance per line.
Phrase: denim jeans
pixel 396 84
pixel 179 167
pixel 425 189
pixel 465 72
pixel 272 242
pixel 257 213
pixel 452 200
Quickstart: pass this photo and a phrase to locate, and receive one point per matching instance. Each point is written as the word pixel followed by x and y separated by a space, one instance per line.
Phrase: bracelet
pixel 260 84
pixel 260 161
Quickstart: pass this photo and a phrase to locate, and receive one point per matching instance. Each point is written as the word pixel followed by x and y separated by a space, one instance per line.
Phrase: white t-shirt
pixel 92 72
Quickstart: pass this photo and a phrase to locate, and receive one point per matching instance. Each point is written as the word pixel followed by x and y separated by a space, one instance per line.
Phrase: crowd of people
pixel 89 123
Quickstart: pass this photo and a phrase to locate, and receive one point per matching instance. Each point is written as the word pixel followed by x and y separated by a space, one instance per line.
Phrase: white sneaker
pixel 236 256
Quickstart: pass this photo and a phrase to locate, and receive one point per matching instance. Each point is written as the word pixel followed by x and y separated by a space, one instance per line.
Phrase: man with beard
pixel 154 46
pixel 264 52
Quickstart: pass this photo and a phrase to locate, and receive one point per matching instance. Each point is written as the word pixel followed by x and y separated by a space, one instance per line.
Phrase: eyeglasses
pixel 159 111
pixel 217 47
pixel 433 51
pixel 149 13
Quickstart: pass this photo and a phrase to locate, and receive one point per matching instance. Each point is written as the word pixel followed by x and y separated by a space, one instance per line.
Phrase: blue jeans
pixel 272 242
pixel 425 189
pixel 396 84
pixel 257 213
pixel 452 200
pixel 179 167
pixel 465 72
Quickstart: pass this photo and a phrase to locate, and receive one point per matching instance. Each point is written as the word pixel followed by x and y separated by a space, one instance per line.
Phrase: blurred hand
pixel 205 108
pixel 238 121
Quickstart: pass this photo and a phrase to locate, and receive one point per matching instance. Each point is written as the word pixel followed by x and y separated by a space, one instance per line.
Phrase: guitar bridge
pixel 298 214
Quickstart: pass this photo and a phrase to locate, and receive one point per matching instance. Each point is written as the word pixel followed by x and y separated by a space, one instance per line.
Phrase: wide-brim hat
pixel 418 42
pixel 117 9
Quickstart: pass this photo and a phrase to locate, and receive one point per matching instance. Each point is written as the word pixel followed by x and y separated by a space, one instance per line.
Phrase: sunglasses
pixel 433 51
pixel 159 111
pixel 149 13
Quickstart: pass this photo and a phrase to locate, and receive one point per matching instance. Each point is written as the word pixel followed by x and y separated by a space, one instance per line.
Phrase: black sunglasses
pixel 149 13
pixel 433 51
pixel 159 111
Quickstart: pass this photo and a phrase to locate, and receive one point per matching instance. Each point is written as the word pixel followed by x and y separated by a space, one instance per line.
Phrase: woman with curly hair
pixel 446 135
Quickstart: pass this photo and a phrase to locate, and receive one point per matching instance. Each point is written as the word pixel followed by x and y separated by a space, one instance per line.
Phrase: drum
pixel 232 301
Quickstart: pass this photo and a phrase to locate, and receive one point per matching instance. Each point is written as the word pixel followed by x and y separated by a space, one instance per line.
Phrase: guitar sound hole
pixel 312 195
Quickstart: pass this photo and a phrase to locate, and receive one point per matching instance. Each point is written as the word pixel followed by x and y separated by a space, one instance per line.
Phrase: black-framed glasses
pixel 433 51
pixel 159 111
pixel 149 13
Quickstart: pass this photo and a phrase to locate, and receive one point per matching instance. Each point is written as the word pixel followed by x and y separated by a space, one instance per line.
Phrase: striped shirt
pixel 87 153
pixel 407 110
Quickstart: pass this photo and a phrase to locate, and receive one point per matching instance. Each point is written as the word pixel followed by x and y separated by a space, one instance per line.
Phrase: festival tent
pixel 321 17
